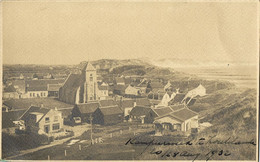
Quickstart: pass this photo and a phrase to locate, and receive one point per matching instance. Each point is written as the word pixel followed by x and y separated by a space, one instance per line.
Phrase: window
pixel 41 94
pixel 56 118
pixel 90 98
pixel 30 94
pixel 47 120
pixel 91 77
pixel 33 94
pixel 55 126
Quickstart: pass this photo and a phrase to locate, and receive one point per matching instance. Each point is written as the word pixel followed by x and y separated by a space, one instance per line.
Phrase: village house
pixel 39 88
pixel 108 115
pixel 53 90
pixel 42 120
pixel 157 112
pixel 132 91
pixel 19 85
pixel 180 120
pixel 119 90
pixel 138 114
pixel 198 91
pixel 83 111
pixel 103 91
pixel 119 81
pixel 80 88
pixel 126 106
pixel 10 93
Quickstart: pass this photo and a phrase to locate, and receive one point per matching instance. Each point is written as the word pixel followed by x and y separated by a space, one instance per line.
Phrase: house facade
pixel 42 120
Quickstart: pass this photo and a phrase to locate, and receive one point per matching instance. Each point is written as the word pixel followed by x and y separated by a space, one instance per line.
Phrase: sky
pixel 71 32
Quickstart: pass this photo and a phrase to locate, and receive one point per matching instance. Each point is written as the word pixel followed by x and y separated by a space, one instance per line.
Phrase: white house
pixel 103 91
pixel 130 90
pixel 199 91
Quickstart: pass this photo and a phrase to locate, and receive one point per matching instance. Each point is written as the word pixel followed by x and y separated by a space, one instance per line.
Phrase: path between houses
pixel 79 130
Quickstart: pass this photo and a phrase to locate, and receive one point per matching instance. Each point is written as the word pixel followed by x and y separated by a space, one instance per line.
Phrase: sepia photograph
pixel 129 80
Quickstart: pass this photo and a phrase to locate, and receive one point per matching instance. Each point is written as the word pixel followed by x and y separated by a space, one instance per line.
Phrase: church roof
pixel 72 83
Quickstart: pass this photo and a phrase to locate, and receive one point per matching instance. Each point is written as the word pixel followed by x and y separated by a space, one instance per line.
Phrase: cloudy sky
pixel 71 32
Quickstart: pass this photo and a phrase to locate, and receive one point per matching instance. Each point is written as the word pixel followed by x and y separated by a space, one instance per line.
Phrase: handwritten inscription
pixel 173 153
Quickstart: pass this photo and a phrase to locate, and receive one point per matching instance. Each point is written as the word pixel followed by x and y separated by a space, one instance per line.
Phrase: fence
pixel 102 139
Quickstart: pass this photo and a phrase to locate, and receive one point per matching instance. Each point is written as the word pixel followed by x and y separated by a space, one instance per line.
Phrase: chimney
pixel 56 108
pixel 135 104
pixel 41 105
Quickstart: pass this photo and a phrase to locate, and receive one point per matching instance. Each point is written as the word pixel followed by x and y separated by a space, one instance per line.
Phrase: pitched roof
pixel 54 87
pixel 41 85
pixel 10 88
pixel 120 87
pixel 104 103
pixel 143 102
pixel 19 83
pixel 72 83
pixel 88 107
pixel 191 102
pixel 126 103
pixel 9 117
pixel 156 85
pixel 176 107
pixel 178 98
pixel 119 80
pixel 184 114
pixel 110 110
pixel 161 111
pixel 140 111
pixel 31 109
pixel 66 112
pixel 24 103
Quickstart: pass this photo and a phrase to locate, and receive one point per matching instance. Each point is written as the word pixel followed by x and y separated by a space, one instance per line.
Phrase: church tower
pixel 90 85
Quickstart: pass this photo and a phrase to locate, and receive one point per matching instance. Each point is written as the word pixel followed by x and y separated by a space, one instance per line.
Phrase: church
pixel 80 88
